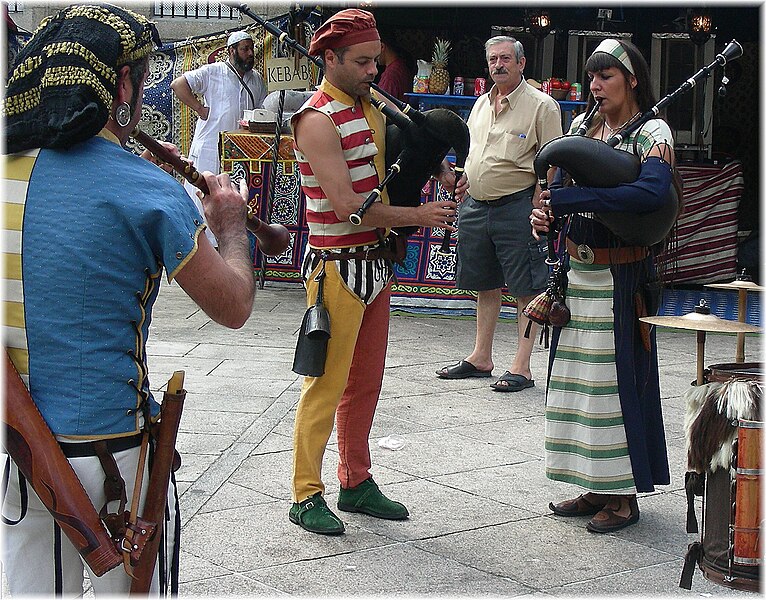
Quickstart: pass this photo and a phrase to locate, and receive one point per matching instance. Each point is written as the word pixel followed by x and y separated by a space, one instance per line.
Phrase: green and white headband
pixel 615 48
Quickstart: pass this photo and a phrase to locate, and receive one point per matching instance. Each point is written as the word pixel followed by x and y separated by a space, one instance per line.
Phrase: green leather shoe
pixel 368 499
pixel 313 515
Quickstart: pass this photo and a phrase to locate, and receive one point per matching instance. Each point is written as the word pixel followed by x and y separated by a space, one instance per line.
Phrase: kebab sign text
pixel 288 74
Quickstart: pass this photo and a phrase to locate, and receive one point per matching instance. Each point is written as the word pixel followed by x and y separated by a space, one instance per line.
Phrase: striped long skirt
pixel 585 437
pixel 603 426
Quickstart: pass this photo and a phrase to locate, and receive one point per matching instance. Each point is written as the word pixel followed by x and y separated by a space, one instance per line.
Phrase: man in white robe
pixel 227 89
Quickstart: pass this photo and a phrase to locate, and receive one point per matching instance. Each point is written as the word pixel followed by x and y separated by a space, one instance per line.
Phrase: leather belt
pixel 606 256
pixel 371 254
pixel 525 193
pixel 80 449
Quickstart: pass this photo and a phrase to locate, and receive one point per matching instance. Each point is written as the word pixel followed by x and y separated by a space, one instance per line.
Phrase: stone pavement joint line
pixel 218 473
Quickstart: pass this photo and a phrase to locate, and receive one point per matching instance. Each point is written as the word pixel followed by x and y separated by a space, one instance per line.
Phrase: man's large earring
pixel 122 114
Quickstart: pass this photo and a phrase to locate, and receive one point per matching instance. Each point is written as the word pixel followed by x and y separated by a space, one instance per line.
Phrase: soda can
pixel 578 87
pixel 479 86
pixel 573 94
pixel 545 87
pixel 458 87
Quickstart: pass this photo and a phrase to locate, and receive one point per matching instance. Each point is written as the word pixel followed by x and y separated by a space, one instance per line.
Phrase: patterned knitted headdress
pixel 62 86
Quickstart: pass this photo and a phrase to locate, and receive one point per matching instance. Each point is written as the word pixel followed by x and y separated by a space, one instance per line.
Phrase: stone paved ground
pixel 471 470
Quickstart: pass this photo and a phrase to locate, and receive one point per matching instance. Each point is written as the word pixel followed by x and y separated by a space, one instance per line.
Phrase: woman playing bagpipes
pixel 604 430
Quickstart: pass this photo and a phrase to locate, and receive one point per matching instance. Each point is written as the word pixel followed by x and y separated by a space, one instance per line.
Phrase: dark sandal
pixel 614 522
pixel 577 507
pixel 512 382
pixel 462 370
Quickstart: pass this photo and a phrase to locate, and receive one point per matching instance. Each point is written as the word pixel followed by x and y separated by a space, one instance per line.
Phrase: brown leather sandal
pixel 577 507
pixel 614 522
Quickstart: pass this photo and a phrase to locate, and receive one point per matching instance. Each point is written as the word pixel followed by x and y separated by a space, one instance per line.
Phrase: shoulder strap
pixel 23 499
pixel 242 81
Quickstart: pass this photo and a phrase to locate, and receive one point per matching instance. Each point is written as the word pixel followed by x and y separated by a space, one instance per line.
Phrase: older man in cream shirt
pixel 496 249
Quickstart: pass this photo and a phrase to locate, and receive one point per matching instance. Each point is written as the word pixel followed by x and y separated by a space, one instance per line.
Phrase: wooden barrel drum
pixel 731 536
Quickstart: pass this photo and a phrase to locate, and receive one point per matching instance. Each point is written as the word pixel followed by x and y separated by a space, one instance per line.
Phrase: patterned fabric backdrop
pixel 164 117
pixel 250 157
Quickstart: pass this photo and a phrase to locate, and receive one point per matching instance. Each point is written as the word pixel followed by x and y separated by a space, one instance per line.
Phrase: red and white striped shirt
pixel 361 129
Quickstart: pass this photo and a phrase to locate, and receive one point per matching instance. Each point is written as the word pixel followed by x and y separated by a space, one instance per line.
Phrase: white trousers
pixel 36 563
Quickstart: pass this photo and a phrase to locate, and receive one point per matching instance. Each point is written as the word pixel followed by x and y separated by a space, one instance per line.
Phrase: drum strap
pixel 693 557
pixel 695 486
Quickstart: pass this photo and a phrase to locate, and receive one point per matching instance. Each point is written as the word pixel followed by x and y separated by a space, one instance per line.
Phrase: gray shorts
pixel 496 249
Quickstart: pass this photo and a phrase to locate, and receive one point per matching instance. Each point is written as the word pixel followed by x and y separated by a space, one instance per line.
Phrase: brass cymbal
pixel 737 284
pixel 700 322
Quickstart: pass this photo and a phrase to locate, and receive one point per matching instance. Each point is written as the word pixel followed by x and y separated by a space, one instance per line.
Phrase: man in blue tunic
pixel 89 230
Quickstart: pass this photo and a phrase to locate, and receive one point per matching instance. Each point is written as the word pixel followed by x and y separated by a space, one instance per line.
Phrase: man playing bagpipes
pixel 89 229
pixel 340 149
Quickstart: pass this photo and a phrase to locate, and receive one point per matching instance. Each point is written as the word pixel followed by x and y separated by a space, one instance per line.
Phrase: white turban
pixel 237 37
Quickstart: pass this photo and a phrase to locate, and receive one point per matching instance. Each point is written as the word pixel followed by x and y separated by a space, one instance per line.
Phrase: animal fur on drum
pixel 712 411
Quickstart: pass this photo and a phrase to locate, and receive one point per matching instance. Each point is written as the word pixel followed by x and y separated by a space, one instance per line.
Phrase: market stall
pixel 424 283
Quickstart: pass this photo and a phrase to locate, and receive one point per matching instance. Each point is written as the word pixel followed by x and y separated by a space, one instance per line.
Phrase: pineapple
pixel 439 75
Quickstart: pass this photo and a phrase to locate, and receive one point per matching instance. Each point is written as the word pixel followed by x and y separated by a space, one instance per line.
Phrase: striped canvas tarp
pixel 707 230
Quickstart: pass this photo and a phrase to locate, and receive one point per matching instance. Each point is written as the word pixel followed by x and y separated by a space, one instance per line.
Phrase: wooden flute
pixel 273 238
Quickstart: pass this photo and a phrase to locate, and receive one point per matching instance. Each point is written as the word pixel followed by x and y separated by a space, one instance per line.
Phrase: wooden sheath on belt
pixel 159 479
pixel 34 449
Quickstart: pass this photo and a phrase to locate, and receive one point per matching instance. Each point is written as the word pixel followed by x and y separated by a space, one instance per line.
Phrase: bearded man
pixel 227 89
